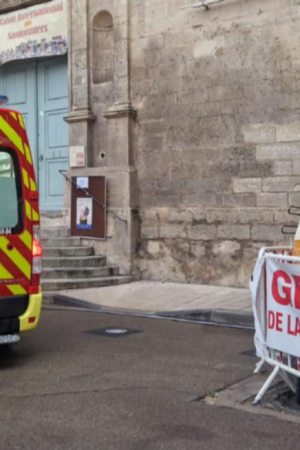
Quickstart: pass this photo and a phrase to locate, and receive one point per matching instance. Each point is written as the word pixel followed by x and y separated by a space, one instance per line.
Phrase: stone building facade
pixel 193 117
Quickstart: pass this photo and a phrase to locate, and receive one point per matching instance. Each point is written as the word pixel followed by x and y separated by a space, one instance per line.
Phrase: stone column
pixel 121 158
pixel 81 116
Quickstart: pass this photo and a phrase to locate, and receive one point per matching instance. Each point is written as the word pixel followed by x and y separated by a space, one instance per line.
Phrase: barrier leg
pixel 259 366
pixel 288 381
pixel 266 385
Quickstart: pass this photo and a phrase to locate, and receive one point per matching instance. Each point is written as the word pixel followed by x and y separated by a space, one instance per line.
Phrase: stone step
pixel 73 273
pixel 85 261
pixel 47 232
pixel 68 251
pixel 62 242
pixel 83 283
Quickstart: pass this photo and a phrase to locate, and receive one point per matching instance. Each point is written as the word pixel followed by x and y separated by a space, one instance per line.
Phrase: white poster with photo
pixel 84 214
pixel 33 32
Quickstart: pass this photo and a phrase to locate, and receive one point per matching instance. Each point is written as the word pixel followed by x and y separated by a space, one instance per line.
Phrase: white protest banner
pixel 283 307
pixel 33 32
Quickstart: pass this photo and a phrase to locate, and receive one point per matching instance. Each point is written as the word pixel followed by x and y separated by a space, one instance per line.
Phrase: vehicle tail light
pixel 37 252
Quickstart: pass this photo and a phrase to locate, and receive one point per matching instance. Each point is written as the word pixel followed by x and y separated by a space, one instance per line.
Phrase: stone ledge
pixel 120 110
pixel 80 115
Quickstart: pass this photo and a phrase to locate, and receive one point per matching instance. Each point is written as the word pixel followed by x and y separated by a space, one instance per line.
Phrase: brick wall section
pixel 217 94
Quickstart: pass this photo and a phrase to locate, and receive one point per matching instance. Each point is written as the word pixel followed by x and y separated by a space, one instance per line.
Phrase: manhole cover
pixel 114 332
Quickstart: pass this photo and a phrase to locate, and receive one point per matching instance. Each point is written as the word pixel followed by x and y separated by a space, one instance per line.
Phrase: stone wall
pixel 218 100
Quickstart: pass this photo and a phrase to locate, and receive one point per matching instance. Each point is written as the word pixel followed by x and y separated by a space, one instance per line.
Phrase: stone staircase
pixel 68 264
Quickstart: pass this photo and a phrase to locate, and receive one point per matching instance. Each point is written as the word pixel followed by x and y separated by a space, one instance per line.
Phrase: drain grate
pixel 113 332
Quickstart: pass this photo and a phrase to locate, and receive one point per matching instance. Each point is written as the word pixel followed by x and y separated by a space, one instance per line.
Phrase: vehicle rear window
pixel 11 200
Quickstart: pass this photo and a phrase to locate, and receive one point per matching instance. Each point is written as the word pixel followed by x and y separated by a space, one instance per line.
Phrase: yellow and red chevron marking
pixel 16 250
pixel 15 265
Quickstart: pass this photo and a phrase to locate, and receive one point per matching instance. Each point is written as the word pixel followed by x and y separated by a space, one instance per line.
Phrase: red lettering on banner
pixel 279 321
pixel 293 328
pixel 297 328
pixel 275 321
pixel 271 320
pixel 286 300
pixel 289 330
pixel 297 291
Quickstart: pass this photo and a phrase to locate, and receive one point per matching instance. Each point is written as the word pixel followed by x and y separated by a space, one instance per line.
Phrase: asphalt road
pixel 67 386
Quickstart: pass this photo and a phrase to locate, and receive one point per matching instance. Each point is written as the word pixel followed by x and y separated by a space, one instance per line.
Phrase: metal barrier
pixel 275 289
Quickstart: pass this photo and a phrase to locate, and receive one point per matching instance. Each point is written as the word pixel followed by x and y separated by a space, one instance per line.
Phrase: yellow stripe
pixel 28 154
pixel 14 115
pixel 16 289
pixel 26 238
pixel 11 134
pixel 21 121
pixel 32 185
pixel 25 178
pixel 35 216
pixel 5 274
pixel 16 257
pixel 28 209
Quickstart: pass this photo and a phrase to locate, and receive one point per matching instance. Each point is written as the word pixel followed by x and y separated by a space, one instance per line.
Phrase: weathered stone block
pixel 281 184
pixel 255 215
pixel 163 214
pixel 282 217
pixel 209 185
pixel 181 216
pixel 172 231
pixel 153 57
pixel 236 200
pixel 296 167
pixel 219 93
pixel 202 232
pixel 259 133
pixel 294 199
pixel 267 233
pixel 152 42
pixel 256 169
pixel 188 97
pixel 283 168
pixel 222 215
pixel 231 248
pixel 198 213
pixel 149 215
pixel 197 250
pixel 288 132
pixel 269 200
pixel 200 199
pixel 243 185
pixel 153 248
pixel 237 232
pixel 279 151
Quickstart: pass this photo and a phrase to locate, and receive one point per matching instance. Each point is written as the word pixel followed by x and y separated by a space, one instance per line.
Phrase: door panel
pixel 53 131
pixel 39 90
pixel 18 82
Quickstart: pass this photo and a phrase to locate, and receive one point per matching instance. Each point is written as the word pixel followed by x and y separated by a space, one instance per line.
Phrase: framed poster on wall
pixel 88 207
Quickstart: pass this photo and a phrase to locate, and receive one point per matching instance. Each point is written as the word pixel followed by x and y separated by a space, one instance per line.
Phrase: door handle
pixel 41 157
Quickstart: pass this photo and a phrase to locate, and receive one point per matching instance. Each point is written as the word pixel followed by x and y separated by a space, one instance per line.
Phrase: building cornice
pixel 81 115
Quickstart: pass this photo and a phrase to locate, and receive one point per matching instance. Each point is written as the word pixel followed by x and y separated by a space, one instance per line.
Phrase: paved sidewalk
pixel 167 299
